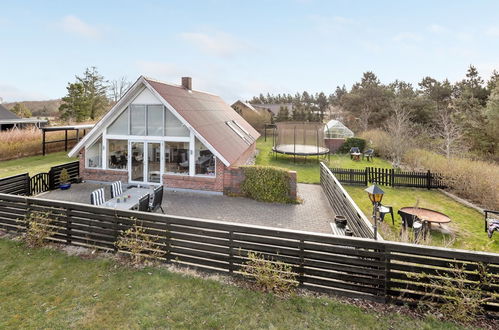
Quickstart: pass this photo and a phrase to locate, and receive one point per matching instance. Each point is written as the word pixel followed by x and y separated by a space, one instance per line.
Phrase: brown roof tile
pixel 208 114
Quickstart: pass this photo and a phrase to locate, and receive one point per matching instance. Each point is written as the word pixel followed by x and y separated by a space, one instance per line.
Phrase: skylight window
pixel 241 132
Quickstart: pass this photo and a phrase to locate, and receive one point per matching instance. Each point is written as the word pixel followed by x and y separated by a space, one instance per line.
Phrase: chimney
pixel 187 83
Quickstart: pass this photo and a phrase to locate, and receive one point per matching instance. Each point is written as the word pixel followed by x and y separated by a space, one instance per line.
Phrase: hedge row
pixel 266 184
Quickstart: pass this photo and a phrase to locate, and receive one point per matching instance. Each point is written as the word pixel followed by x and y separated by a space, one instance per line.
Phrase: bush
pixel 140 245
pixel 477 181
pixel 462 299
pixel 270 276
pixel 352 142
pixel 378 140
pixel 39 227
pixel 266 184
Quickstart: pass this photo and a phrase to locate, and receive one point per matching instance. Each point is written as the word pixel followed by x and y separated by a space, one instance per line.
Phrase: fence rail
pixel 354 267
pixel 343 204
pixel 16 185
pixel 389 177
pixel 23 184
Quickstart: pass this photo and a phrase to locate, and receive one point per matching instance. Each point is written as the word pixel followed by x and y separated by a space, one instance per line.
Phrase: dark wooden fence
pixel 343 204
pixel 389 177
pixel 22 184
pixel 73 169
pixel 16 185
pixel 354 267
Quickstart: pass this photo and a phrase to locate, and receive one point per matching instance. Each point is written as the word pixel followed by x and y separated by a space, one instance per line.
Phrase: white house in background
pixel 167 134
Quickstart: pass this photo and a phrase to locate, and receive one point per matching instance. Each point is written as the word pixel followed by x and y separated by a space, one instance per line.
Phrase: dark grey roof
pixel 6 114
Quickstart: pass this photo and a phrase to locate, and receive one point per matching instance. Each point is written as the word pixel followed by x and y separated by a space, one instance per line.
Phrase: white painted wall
pixel 146 97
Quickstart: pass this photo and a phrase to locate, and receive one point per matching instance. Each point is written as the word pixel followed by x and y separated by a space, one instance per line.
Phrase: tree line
pixel 90 96
pixel 462 116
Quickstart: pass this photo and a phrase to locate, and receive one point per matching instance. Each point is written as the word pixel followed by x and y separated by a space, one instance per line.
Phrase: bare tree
pixel 118 88
pixel 400 128
pixel 448 133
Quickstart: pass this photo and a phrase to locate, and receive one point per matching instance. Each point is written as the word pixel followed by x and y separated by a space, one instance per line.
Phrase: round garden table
pixel 427 214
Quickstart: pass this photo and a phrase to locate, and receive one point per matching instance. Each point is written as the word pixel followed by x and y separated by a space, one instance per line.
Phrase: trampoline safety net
pixel 300 138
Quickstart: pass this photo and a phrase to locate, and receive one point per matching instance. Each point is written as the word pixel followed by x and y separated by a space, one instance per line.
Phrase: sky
pixel 238 49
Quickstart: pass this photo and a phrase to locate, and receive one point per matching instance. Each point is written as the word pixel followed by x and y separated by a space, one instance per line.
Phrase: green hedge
pixel 352 142
pixel 266 184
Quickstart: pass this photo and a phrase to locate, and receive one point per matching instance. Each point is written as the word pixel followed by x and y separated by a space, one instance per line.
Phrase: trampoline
pixel 300 139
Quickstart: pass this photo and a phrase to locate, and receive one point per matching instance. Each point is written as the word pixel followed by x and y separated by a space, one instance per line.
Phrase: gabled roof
pixel 6 114
pixel 206 114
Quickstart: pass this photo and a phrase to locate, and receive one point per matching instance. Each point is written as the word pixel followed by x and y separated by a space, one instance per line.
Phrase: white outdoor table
pixel 135 195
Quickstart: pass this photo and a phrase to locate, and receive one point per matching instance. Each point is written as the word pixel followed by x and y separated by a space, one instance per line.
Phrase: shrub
pixel 461 299
pixel 352 142
pixel 140 245
pixel 64 177
pixel 39 227
pixel 378 140
pixel 270 276
pixel 477 181
pixel 266 184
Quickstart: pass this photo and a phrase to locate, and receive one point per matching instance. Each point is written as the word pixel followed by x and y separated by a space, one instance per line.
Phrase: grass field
pixel 308 169
pixel 467 223
pixel 47 289
pixel 33 164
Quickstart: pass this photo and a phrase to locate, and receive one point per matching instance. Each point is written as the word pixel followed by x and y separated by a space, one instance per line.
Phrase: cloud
pixel 437 29
pixel 493 31
pixel 407 36
pixel 216 43
pixel 74 25
pixel 9 93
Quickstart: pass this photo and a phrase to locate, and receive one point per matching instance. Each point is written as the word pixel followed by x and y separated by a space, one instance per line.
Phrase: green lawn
pixel 33 164
pixel 47 289
pixel 467 223
pixel 308 169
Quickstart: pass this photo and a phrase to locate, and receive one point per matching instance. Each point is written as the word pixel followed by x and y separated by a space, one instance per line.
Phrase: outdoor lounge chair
pixel 116 189
pixel 369 154
pixel 144 203
pixel 157 199
pixel 491 222
pixel 97 197
pixel 412 221
pixel 384 210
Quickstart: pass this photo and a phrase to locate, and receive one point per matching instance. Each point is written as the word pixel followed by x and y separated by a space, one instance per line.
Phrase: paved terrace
pixel 313 214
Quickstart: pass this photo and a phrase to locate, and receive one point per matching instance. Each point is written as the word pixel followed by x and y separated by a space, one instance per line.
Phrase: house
pixel 274 108
pixel 9 120
pixel 160 133
pixel 255 117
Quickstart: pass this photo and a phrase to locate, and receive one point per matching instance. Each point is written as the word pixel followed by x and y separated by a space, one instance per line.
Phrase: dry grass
pixel 28 142
pixel 475 180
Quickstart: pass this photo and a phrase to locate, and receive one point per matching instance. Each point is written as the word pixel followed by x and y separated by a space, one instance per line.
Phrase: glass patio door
pixel 137 161
pixel 145 162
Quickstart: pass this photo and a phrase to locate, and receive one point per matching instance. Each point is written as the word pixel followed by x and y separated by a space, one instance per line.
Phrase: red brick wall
pixel 100 174
pixel 334 144
pixel 196 182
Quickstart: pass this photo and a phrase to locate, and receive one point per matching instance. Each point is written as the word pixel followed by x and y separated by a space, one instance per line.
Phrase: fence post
pixel 301 273
pixel 51 179
pixel 27 185
pixel 392 177
pixel 68 225
pixel 386 253
pixel 428 180
pixel 366 173
pixel 231 251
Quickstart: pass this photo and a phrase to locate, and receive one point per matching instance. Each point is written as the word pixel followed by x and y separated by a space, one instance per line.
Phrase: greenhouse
pixel 335 129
